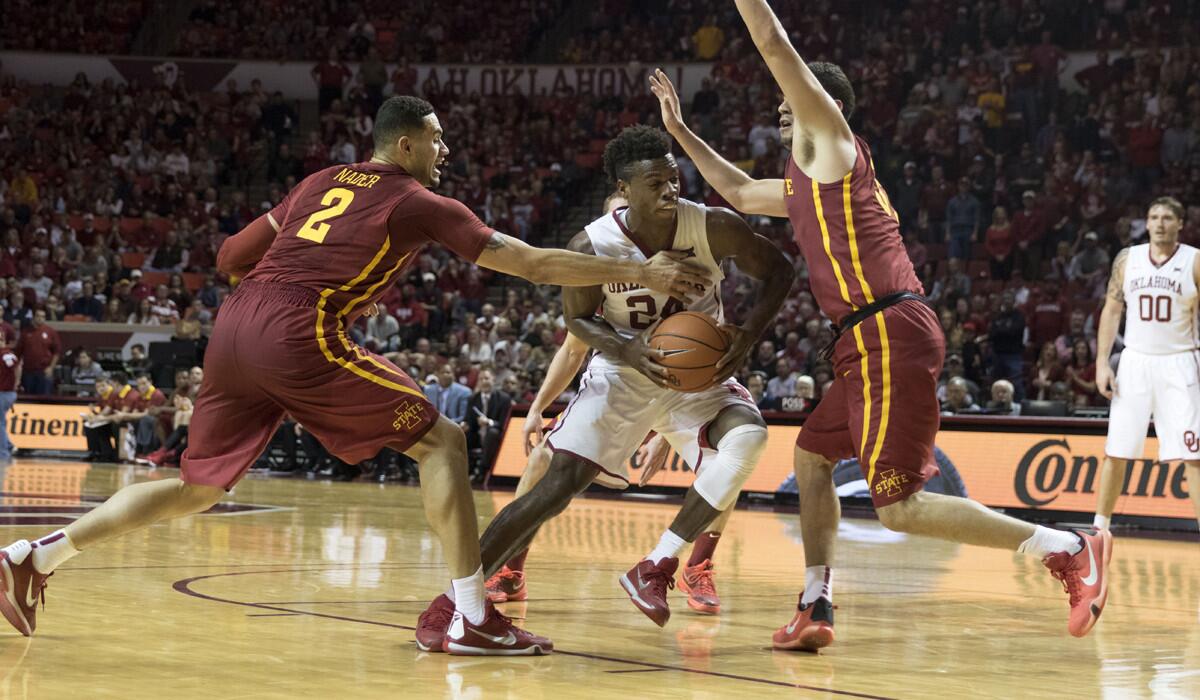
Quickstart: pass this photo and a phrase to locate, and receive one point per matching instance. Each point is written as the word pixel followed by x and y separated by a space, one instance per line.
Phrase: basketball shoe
pixel 433 623
pixel 21 587
pixel 495 636
pixel 1084 577
pixel 697 582
pixel 810 629
pixel 647 585
pixel 506 585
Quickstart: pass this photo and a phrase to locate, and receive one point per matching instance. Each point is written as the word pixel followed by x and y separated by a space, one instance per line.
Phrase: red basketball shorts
pixel 271 355
pixel 882 407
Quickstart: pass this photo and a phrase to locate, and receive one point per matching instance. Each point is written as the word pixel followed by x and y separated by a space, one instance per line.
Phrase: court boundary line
pixel 184 586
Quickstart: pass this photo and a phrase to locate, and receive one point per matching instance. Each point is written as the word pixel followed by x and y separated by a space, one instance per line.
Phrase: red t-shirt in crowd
pixel 331 74
pixel 9 364
pixel 37 347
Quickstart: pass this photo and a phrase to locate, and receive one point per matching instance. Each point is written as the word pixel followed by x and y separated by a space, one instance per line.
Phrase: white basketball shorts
pixel 1166 387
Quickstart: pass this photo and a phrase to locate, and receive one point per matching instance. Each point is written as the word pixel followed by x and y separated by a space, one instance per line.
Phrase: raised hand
pixel 668 100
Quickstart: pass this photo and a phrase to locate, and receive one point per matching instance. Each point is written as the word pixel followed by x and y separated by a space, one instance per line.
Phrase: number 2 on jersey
pixel 335 202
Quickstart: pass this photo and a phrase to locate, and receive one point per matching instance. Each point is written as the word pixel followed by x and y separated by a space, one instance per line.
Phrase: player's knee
pixel 445 438
pixel 806 462
pixel 901 516
pixel 737 454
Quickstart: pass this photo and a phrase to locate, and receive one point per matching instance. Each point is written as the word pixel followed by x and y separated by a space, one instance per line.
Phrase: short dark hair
pixel 1169 202
pixel 835 82
pixel 633 145
pixel 119 378
pixel 397 116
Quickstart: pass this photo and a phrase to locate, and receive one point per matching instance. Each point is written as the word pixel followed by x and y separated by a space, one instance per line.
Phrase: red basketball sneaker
pixel 1084 578
pixel 496 636
pixel 21 587
pixel 506 585
pixel 433 623
pixel 697 582
pixel 647 585
pixel 811 628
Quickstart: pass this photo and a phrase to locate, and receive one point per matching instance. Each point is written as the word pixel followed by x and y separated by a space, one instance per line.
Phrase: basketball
pixel 694 344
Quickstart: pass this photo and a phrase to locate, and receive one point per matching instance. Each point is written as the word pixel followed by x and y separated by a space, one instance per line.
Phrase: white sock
pixel 450 593
pixel 1046 541
pixel 469 596
pixel 51 551
pixel 668 546
pixel 1100 522
pixel 818 583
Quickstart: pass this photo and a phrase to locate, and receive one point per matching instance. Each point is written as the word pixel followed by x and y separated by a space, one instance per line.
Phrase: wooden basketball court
pixel 314 592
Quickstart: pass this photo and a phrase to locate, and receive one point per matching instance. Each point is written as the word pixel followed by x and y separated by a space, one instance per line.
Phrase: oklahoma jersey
pixel 1160 302
pixel 631 308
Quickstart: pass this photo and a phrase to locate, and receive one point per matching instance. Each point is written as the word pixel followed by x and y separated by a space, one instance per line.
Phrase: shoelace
pixel 1071 584
pixel 702 581
pixel 437 618
pixel 659 580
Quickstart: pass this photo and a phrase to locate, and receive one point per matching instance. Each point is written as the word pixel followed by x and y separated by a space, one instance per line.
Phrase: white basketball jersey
pixel 631 308
pixel 1160 302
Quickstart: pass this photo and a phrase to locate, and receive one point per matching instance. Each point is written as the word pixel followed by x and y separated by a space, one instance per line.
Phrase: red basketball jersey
pixel 347 232
pixel 849 235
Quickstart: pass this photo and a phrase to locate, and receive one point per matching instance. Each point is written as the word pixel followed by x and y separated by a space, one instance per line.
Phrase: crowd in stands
pixel 1014 189
pixel 75 26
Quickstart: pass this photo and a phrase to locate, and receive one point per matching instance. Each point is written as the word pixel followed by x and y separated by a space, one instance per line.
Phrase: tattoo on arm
pixel 1116 280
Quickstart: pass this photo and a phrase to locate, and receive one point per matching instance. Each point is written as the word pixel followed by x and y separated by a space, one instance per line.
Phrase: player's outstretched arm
pixel 242 251
pixel 666 272
pixel 819 121
pixel 746 194
pixel 579 310
pixel 729 237
pixel 1110 321
pixel 563 368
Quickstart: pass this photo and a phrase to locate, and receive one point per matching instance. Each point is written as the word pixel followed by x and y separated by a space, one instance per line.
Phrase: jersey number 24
pixel 643 310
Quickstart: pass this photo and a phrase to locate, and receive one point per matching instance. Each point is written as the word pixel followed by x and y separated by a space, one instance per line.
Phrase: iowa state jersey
pixel 1160 301
pixel 849 235
pixel 349 231
pixel 631 308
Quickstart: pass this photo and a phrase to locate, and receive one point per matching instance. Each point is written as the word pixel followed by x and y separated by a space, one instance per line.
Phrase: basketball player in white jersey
pixel 1159 373
pixel 625 391
pixel 697 578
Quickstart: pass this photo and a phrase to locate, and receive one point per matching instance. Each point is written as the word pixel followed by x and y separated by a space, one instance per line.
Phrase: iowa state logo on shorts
pixel 408 415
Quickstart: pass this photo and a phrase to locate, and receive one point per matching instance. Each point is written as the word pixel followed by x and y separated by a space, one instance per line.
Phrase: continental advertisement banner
pixel 1034 470
pixel 46 426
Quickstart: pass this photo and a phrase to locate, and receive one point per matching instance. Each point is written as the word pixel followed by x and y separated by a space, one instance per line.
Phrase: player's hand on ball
pixel 668 272
pixel 532 430
pixel 741 344
pixel 645 359
pixel 1106 383
pixel 668 99
pixel 652 456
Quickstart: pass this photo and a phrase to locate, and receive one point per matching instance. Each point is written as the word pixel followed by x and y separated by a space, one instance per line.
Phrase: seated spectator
pixel 783 383
pixel 85 373
pixel 478 351
pixel 756 384
pixel 38 281
pixel 1002 399
pixel 383 331
pixel 87 303
pixel 448 395
pixel 958 400
pixel 1080 373
pixel 144 314
pixel 137 363
pixel 1076 331
pixel 1045 372
pixel 162 307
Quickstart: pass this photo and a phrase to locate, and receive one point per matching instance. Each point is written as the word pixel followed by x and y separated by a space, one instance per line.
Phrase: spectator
pixel 1029 229
pixel 1007 336
pixel 756 384
pixel 449 396
pixel 999 242
pixel 137 363
pixel 783 383
pixel 144 315
pixel 39 349
pixel 962 221
pixel 955 285
pixel 10 379
pixel 383 331
pixel 1076 331
pixel 1045 372
pixel 85 372
pixel 38 281
pixel 1080 373
pixel 331 77
pixel 162 307
pixel 1089 265
pixel 708 39
pixel 488 409
pixel 87 303
pixel 1002 399
pixel 478 351
pixel 957 398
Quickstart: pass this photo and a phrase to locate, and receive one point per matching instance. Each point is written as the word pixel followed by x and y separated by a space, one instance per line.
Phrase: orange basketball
pixel 694 344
